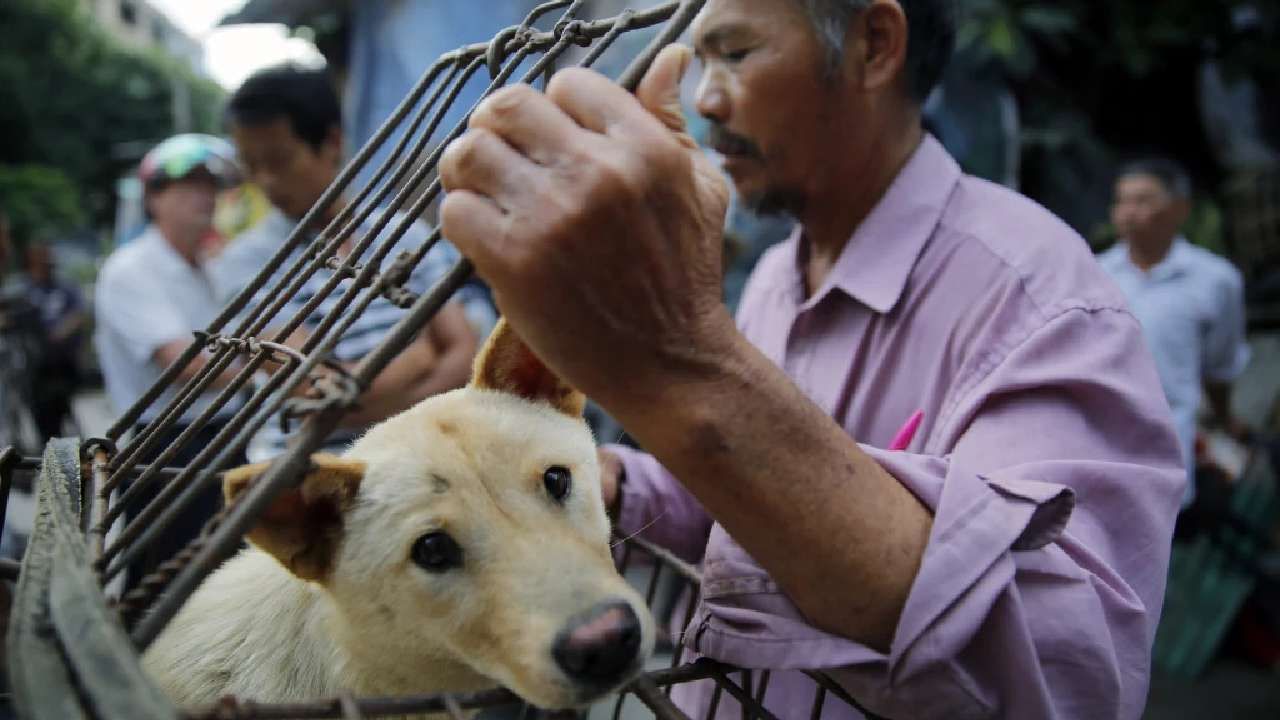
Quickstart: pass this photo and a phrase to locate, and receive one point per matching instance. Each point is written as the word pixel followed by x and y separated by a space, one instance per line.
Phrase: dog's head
pixel 469 531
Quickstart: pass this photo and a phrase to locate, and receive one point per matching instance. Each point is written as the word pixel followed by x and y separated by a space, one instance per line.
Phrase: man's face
pixel 185 205
pixel 773 108
pixel 291 172
pixel 1145 212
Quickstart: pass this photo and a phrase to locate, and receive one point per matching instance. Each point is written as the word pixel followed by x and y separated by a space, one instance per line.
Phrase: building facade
pixel 136 24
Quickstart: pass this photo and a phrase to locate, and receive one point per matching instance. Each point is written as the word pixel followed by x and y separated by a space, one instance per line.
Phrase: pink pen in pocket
pixel 908 431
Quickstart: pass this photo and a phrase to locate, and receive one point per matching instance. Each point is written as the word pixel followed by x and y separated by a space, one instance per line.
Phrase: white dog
pixel 457 546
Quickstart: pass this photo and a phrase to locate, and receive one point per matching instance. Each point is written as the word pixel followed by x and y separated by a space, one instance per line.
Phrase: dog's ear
pixel 303 525
pixel 508 365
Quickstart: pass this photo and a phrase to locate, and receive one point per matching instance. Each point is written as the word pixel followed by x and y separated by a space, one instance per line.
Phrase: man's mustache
pixel 727 143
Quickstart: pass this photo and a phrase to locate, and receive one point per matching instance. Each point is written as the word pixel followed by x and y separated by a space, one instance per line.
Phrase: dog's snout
pixel 600 645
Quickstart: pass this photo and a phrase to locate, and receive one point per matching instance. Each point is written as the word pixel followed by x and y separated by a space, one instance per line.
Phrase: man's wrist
pixel 674 379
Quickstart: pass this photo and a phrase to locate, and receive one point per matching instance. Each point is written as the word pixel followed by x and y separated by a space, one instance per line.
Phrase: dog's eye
pixel 557 480
pixel 437 552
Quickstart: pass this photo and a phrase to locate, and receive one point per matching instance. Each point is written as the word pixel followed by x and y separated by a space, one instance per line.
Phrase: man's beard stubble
pixel 770 200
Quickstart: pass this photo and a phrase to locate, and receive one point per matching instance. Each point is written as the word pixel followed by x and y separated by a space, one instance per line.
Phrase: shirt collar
pixel 160 251
pixel 874 266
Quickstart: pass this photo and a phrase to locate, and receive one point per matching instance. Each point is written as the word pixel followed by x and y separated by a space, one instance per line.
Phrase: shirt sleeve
pixel 658 508
pixel 139 311
pixel 1226 353
pixel 1053 480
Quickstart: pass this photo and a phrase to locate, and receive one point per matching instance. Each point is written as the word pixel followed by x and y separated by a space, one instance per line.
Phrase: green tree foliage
pixel 1100 82
pixel 76 103
pixel 38 198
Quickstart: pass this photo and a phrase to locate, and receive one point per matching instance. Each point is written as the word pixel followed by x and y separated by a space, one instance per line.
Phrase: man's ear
pixel 303 525
pixel 880 34
pixel 507 365
pixel 331 148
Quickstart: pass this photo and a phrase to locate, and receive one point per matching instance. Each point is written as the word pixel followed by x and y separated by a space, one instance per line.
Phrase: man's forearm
pixel 815 510
pixel 168 354
pixel 416 378
pixel 387 396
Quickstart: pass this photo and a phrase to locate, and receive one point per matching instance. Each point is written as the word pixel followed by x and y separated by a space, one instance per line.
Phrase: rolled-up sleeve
pixel 1053 480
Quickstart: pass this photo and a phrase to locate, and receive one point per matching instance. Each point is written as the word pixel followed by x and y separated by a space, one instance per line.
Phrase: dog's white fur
pixel 328 598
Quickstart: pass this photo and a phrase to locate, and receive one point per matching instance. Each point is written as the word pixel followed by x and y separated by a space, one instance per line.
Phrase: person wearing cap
pixel 152 295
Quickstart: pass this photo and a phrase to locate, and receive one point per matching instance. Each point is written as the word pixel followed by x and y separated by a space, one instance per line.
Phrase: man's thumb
pixel 659 91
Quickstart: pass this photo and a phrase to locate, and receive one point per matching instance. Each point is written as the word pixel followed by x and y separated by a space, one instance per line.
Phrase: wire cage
pixel 74 647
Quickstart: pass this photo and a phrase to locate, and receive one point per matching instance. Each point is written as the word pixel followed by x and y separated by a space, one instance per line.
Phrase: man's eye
pixel 736 55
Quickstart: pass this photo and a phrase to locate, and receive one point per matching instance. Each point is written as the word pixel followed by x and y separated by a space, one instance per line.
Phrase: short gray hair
pixel 1170 173
pixel 932 39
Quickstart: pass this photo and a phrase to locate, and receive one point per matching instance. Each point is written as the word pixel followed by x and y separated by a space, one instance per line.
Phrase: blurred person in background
pixel 151 296
pixel 287 126
pixel 20 349
pixel 63 319
pixel 1189 301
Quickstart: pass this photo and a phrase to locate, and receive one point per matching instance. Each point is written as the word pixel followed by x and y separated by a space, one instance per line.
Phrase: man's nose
pixel 599 646
pixel 712 100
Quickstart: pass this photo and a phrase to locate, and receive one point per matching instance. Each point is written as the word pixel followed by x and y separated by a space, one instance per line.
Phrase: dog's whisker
pixel 637 533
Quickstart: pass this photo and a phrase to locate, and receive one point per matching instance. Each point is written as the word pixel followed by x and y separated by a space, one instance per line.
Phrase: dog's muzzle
pixel 599 646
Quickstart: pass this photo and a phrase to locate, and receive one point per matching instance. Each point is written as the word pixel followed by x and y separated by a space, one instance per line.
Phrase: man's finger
pixel 659 91
pixel 475 225
pixel 482 162
pixel 600 105
pixel 528 121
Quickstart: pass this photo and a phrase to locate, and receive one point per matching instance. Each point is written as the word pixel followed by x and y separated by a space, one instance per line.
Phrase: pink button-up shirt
pixel 1046 455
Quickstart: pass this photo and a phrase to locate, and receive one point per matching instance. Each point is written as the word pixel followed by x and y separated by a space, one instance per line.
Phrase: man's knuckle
pixel 469 150
pixel 670 158
pixel 563 83
pixel 502 106
pixel 448 167
pixel 628 171
pixel 614 170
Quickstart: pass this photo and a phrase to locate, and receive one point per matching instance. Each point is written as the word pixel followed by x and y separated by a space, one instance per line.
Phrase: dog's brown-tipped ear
pixel 303 525
pixel 508 365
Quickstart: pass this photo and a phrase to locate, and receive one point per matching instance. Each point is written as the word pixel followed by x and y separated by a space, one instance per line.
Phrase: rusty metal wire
pixel 136 601
pixel 251 336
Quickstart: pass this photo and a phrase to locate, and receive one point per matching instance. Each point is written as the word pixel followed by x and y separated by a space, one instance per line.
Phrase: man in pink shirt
pixel 1010 562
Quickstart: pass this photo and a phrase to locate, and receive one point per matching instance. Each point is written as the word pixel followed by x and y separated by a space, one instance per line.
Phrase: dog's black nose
pixel 597 646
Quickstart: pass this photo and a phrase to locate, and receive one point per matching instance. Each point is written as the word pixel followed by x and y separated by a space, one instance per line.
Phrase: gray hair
pixel 932 39
pixel 1172 175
